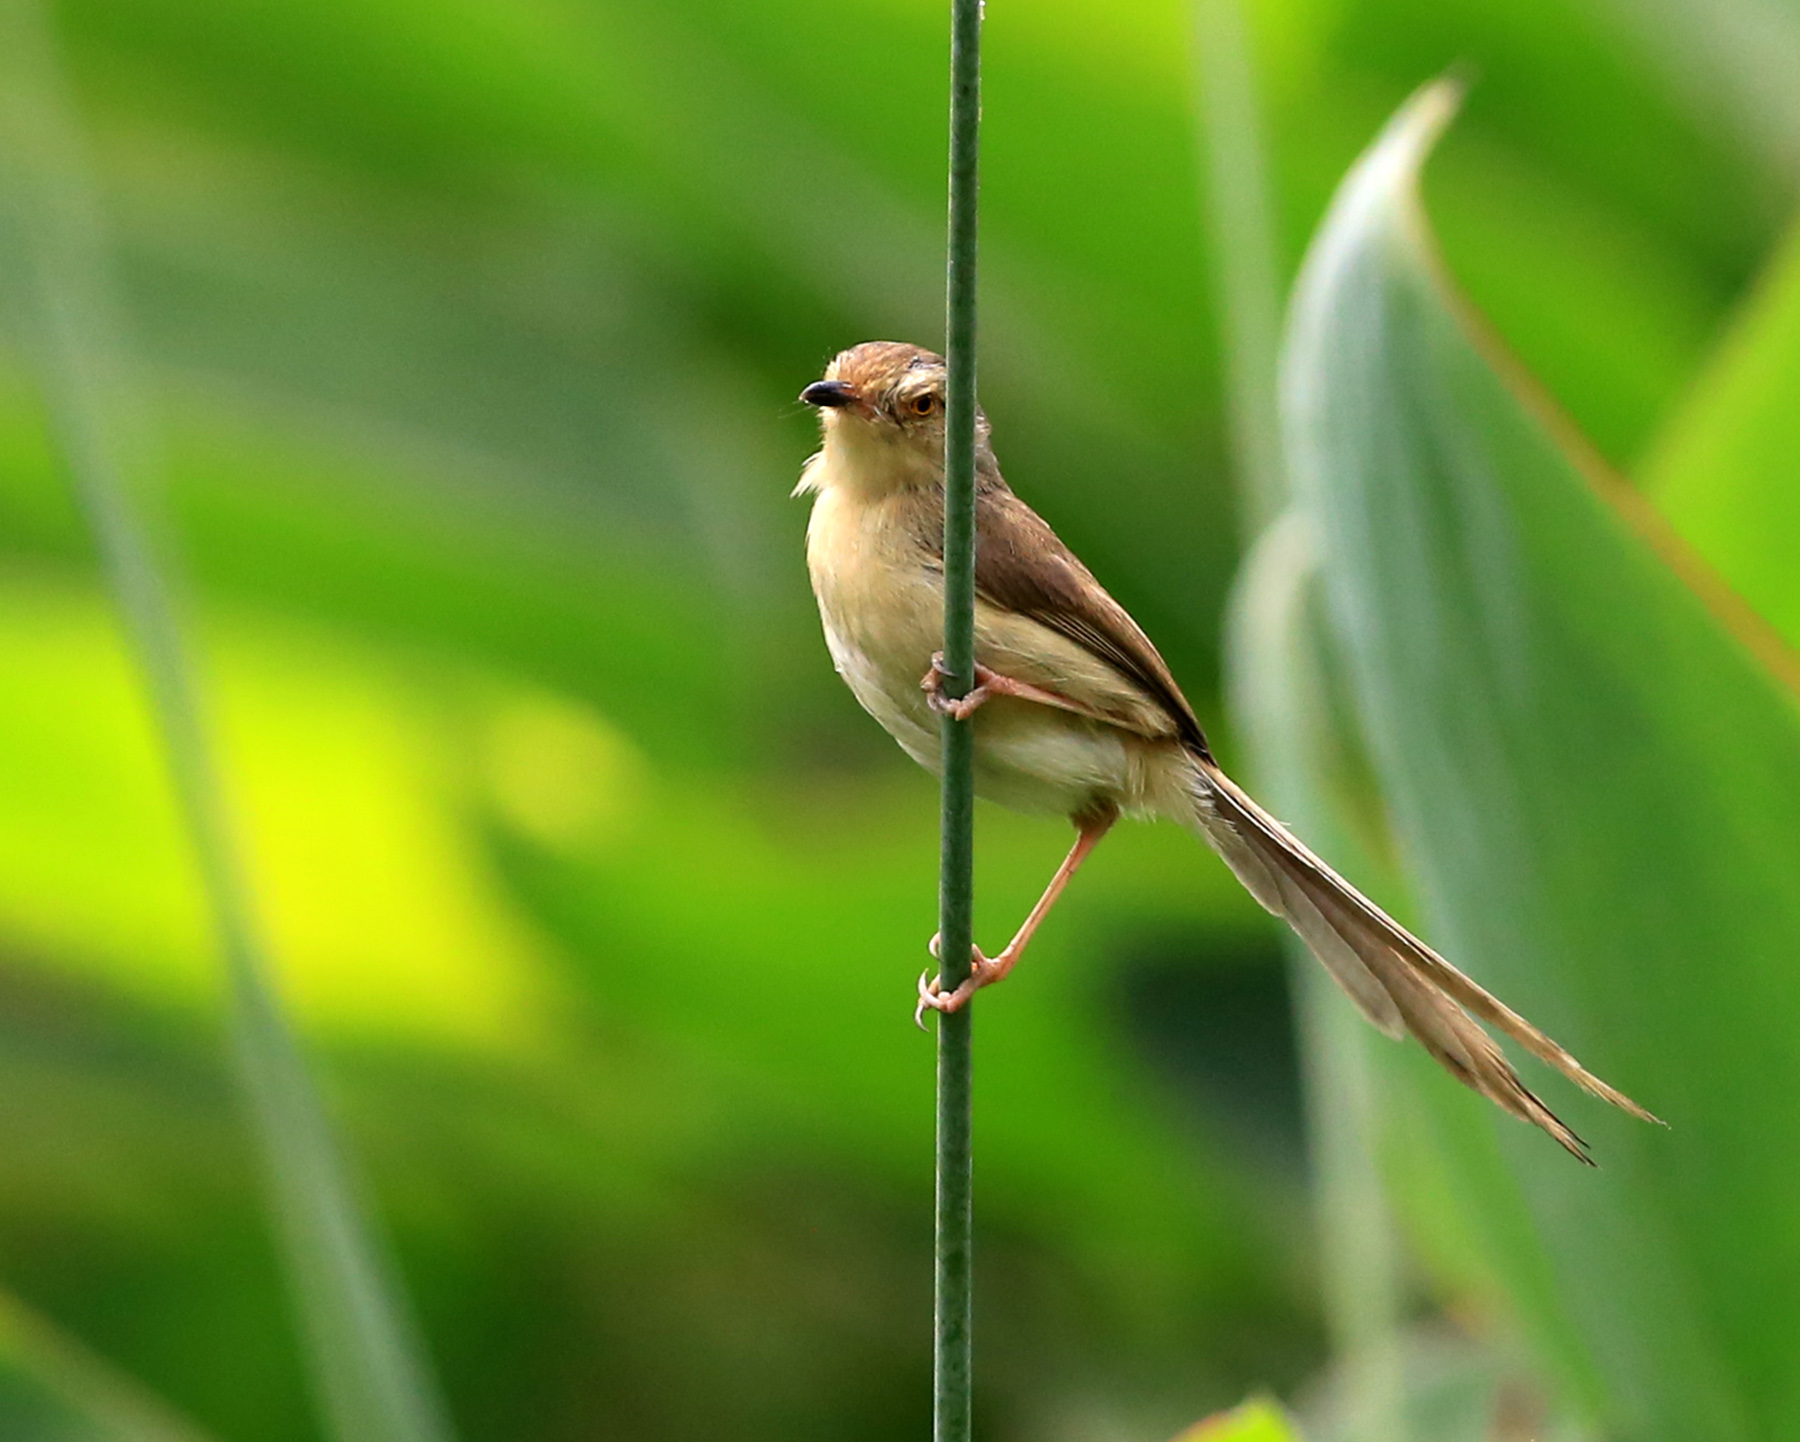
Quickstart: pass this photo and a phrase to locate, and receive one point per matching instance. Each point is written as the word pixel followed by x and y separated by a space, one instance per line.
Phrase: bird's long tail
pixel 1397 981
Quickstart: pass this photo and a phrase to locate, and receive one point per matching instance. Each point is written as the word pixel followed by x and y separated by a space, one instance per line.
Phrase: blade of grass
pixel 1276 679
pixel 1281 693
pixel 952 1360
pixel 1245 269
pixel 366 1364
pixel 57 1383
pixel 1724 470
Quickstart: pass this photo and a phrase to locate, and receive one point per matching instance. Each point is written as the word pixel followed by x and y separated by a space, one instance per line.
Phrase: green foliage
pixel 473 334
pixel 1286 692
pixel 1726 471
pixel 1597 795
pixel 1252 1422
pixel 366 1366
pixel 53 1390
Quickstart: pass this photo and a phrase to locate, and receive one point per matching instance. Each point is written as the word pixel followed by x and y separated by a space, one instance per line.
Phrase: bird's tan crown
pixel 878 367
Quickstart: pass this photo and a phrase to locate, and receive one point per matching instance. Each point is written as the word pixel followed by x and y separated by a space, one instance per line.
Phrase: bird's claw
pixel 932 995
pixel 959 708
pixel 926 999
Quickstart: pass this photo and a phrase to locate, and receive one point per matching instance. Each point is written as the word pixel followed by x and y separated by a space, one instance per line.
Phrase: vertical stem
pixel 1249 291
pixel 367 1365
pixel 1356 1239
pixel 1284 694
pixel 951 1360
pixel 1361 1264
pixel 1274 645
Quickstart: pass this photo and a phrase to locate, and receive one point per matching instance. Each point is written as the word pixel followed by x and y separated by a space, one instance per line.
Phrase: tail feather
pixel 1393 977
pixel 1272 880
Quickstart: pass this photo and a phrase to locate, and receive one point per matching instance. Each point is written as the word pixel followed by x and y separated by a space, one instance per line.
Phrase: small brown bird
pixel 1075 713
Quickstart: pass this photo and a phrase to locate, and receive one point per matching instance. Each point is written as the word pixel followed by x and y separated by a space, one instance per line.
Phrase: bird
pixel 1075 713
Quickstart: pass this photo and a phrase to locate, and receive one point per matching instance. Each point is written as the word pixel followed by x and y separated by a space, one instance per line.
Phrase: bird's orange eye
pixel 922 405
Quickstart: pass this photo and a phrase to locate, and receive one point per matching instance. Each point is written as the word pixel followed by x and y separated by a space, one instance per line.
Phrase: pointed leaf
pixel 1597 795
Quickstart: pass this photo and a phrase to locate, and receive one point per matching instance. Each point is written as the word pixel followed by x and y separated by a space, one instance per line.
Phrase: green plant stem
pixel 1284 693
pixel 1243 230
pixel 1277 684
pixel 952 1353
pixel 366 1366
pixel 50 1371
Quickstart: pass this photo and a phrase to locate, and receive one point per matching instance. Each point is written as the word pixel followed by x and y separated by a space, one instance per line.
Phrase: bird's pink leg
pixel 985 971
pixel 989 684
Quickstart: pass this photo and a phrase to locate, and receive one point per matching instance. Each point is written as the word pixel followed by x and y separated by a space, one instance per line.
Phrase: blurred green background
pixel 472 333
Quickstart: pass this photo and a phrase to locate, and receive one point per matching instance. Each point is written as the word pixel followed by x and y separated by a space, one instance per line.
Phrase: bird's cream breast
pixel 881 600
pixel 882 605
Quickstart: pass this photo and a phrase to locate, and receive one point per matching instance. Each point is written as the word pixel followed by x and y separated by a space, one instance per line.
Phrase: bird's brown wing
pixel 1022 566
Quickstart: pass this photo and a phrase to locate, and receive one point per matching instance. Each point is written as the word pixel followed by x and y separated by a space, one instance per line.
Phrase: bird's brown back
pixel 1022 565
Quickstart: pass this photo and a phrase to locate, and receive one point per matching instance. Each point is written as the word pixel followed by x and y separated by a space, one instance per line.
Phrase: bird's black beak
pixel 831 395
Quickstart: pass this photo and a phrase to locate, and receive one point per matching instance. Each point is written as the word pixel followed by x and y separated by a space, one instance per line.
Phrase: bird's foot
pixel 988 685
pixel 983 971
pixel 956 708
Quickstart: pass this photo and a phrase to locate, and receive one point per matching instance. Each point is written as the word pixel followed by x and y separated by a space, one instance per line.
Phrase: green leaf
pixel 1255 1421
pixel 1726 472
pixel 1597 795
pixel 52 1389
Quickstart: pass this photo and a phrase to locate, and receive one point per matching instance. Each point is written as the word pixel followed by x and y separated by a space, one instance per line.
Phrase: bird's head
pixel 881 406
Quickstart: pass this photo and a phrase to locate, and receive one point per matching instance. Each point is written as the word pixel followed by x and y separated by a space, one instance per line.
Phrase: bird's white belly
pixel 1028 757
pixel 906 717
